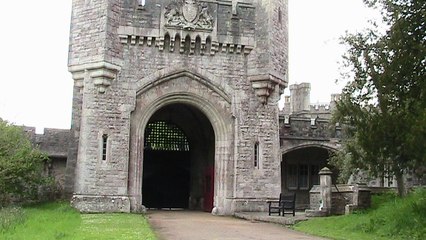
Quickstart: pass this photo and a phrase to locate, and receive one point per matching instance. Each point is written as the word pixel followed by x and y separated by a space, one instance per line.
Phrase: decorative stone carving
pixel 188 15
pixel 101 73
pixel 263 85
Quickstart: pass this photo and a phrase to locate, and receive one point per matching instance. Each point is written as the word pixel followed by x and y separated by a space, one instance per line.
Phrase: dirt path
pixel 188 225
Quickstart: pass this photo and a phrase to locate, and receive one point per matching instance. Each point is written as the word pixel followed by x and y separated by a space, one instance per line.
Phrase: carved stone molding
pixel 213 45
pixel 188 15
pixel 264 85
pixel 102 74
pixel 78 77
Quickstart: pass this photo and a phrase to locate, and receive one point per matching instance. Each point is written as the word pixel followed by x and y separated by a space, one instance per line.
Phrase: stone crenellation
pixel 302 120
pixel 298 103
pixel 303 128
pixel 211 25
pixel 54 142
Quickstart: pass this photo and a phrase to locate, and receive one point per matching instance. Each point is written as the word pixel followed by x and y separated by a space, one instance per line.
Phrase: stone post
pixel 325 189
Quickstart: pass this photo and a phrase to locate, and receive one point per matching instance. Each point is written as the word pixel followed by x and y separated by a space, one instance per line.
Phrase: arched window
pixel 167 42
pixel 177 43
pixel 198 45
pixel 208 45
pixel 187 44
pixel 163 136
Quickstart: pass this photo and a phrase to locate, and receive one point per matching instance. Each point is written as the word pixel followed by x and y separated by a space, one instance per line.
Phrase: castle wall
pixel 54 143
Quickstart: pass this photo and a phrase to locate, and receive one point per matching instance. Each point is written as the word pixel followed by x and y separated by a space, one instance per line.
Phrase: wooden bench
pixel 286 202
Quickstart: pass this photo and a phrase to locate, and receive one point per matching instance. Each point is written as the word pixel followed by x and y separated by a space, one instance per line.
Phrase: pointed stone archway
pixel 203 113
pixel 178 159
pixel 299 170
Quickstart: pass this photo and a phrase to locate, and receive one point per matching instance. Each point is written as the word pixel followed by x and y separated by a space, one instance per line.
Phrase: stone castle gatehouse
pixel 175 104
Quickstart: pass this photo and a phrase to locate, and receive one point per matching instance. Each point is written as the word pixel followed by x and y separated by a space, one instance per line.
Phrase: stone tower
pixel 300 97
pixel 175 104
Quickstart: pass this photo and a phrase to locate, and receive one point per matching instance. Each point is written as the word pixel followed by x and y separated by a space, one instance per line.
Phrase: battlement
pixel 306 128
pixel 320 108
pixel 305 86
pixel 298 103
pixel 53 141
pixel 220 26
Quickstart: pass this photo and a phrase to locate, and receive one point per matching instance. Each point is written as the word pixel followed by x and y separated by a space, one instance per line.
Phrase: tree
pixel 21 166
pixel 384 101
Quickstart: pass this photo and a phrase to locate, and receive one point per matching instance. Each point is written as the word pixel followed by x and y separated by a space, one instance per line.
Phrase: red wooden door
pixel 208 189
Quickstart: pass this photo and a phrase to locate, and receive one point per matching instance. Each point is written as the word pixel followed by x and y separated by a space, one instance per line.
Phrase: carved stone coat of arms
pixel 189 15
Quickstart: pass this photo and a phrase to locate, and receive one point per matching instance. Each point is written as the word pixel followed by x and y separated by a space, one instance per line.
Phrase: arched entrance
pixel 299 171
pixel 178 159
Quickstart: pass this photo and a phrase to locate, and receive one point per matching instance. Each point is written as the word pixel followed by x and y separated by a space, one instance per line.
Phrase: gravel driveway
pixel 192 225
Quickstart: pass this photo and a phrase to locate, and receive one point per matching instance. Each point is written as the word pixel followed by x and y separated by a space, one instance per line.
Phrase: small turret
pixel 300 97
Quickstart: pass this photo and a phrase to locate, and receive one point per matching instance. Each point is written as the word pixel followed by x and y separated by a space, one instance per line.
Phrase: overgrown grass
pixel 10 217
pixel 389 218
pixel 60 221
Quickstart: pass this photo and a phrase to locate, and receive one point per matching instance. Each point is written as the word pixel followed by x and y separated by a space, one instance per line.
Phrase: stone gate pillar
pixel 325 189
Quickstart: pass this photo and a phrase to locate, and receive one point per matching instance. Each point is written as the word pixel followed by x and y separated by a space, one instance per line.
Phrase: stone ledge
pixel 102 74
pixel 264 217
pixel 100 204
pixel 315 213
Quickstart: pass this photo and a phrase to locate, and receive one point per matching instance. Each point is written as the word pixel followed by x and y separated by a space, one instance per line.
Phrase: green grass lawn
pixel 60 221
pixel 389 218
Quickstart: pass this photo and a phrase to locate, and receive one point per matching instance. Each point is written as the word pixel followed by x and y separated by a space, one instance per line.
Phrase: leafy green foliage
pixel 383 101
pixel 390 217
pixel 399 217
pixel 21 166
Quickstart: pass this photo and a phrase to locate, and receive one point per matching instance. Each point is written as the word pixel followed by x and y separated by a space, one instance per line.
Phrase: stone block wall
pixel 53 142
pixel 357 196
pixel 126 59
pixel 307 128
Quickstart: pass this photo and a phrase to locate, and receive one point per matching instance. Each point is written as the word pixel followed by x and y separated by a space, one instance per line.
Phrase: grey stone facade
pixel 356 196
pixel 225 61
pixel 307 140
pixel 53 142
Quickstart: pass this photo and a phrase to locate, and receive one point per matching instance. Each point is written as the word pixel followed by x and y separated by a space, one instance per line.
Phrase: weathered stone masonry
pixel 227 59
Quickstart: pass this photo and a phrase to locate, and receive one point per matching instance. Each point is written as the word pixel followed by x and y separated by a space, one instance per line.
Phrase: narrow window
pixel 314 175
pixel 187 44
pixel 208 45
pixel 197 45
pixel 280 17
pixel 303 176
pixel 292 176
pixel 104 146
pixel 256 155
pixel 167 42
pixel 177 43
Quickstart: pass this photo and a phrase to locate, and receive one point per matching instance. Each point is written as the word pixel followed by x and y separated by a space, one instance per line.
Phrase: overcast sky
pixel 36 87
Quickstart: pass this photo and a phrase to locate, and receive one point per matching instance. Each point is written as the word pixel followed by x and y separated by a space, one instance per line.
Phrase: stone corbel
pixel 264 85
pixel 78 77
pixel 102 74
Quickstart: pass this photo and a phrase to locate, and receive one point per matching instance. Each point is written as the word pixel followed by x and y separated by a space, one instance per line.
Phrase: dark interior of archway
pixel 299 172
pixel 178 155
